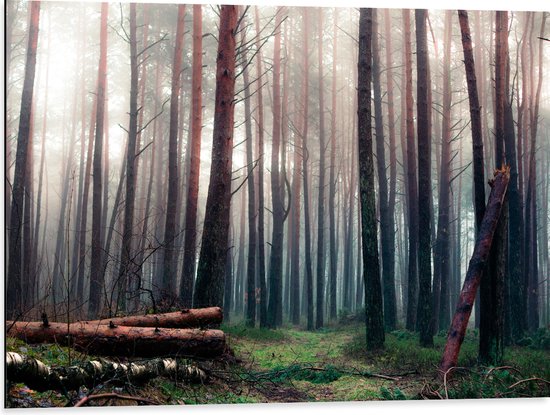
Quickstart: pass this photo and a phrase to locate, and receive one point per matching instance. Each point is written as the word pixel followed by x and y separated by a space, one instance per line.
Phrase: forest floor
pixel 292 365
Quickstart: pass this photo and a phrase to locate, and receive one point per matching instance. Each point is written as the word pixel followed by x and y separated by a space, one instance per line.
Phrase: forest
pixel 247 204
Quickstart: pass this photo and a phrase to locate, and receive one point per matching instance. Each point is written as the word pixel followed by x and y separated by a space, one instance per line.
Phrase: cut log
pixel 476 266
pixel 111 340
pixel 188 318
pixel 40 377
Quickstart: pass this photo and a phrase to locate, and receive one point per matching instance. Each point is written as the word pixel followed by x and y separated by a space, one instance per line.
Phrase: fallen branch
pixel 111 340
pixel 528 380
pixel 40 377
pixel 86 399
pixel 188 318
pixel 475 270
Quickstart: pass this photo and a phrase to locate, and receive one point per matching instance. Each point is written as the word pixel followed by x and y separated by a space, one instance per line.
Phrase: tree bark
pixel 96 270
pixel 371 265
pixel 187 318
pixel 14 305
pixel 190 244
pixel 424 313
pixel 106 340
pixel 211 269
pixel 274 309
pixel 168 285
pixel 40 377
pixel 412 184
pixel 478 262
pixel 388 279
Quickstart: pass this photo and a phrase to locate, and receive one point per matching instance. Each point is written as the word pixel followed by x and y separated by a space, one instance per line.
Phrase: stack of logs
pixel 185 333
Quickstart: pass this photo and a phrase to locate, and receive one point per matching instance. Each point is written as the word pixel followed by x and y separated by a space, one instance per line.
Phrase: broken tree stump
pixel 40 377
pixel 476 266
pixel 112 340
pixel 188 318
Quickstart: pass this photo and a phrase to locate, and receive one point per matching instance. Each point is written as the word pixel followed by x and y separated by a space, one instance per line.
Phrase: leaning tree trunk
pixel 96 269
pixel 14 305
pixel 211 268
pixel 371 264
pixel 478 262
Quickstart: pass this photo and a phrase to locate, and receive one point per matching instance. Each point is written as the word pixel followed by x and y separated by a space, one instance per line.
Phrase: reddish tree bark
pixel 190 244
pixel 476 267
pixel 108 340
pixel 168 284
pixel 213 256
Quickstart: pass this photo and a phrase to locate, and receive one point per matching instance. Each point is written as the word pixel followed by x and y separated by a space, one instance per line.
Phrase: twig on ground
pixel 88 398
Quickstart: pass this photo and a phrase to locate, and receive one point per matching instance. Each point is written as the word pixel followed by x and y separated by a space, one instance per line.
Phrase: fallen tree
pixel 112 340
pixel 476 266
pixel 187 318
pixel 40 377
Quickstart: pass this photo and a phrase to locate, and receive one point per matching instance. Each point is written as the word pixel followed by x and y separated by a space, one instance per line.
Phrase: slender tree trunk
pixel 250 293
pixel 190 244
pixel 168 290
pixel 332 178
pixel 412 192
pixel 261 163
pixel 213 256
pixel 388 280
pixel 491 329
pixel 96 270
pixel 424 315
pixel 274 310
pixel 371 264
pixel 126 267
pixel 320 309
pixel 442 269
pixel 14 305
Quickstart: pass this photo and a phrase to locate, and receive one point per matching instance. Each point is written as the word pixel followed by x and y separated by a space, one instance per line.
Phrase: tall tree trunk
pixel 491 329
pixel 412 184
pixel 424 314
pixel 442 268
pixel 250 293
pixel 190 244
pixel 168 290
pixel 261 163
pixel 274 310
pixel 126 267
pixel 14 305
pixel 332 178
pixel 371 264
pixel 388 279
pixel 213 256
pixel 531 200
pixel 305 175
pixel 320 309
pixel 390 263
pixel 96 269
